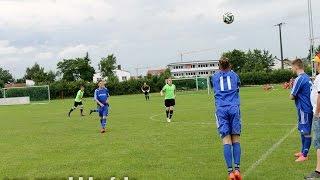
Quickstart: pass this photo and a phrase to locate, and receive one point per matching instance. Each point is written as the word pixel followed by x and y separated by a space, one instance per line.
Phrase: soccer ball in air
pixel 228 18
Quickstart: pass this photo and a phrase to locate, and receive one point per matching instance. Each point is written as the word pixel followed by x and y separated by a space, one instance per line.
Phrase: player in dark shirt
pixel 146 89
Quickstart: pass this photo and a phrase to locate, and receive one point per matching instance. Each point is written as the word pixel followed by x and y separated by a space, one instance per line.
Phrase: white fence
pixel 14 101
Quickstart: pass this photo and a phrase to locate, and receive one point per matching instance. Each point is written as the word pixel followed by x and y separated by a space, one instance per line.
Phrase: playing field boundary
pixel 264 156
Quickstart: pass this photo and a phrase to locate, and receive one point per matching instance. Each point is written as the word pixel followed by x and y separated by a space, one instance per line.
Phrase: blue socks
pixel 236 155
pixel 234 151
pixel 306 146
pixel 103 123
pixel 227 150
pixel 302 142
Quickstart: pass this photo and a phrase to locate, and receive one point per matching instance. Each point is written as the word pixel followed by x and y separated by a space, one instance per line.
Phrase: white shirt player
pixel 314 93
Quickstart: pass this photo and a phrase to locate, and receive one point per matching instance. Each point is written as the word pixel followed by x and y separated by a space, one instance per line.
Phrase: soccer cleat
pixel 237 175
pixel 103 130
pixel 313 175
pixel 231 176
pixel 69 114
pixel 298 154
pixel 168 120
pixel 91 111
pixel 301 159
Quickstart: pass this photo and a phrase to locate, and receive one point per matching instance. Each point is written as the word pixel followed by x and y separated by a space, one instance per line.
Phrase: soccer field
pixel 39 141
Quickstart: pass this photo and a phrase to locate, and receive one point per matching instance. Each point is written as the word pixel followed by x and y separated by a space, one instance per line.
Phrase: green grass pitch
pixel 39 141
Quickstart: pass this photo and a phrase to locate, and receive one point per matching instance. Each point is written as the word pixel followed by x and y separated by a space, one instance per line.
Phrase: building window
pixel 124 78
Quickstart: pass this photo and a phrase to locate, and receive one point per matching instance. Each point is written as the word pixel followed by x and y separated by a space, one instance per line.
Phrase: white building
pixel 122 75
pixel 193 68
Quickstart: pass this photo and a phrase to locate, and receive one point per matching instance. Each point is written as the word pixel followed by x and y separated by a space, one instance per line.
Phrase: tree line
pixel 253 66
pixel 67 70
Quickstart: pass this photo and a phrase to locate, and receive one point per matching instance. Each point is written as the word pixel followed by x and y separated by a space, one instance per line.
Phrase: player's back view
pixel 226 85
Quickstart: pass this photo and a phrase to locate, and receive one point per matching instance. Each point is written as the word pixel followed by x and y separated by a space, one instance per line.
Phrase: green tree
pixel 107 65
pixel 38 74
pixel 5 76
pixel 258 60
pixel 76 69
pixel 51 76
pixel 237 59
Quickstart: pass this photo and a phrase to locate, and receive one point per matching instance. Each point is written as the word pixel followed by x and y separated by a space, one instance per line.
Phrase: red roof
pixel 155 71
pixel 15 85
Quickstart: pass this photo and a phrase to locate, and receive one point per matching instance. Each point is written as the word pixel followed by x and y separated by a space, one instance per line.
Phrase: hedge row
pixel 35 93
pixel 63 89
pixel 259 78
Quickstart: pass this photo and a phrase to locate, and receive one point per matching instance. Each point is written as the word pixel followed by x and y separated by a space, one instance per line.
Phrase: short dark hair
pixel 81 85
pixel 224 63
pixel 298 63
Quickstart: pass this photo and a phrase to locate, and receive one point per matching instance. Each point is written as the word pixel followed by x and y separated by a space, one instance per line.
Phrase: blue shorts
pixel 228 119
pixel 304 122
pixel 103 111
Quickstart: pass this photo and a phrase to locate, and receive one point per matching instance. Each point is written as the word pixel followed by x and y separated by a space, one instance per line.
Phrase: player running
pixel 101 95
pixel 226 84
pixel 78 101
pixel 300 93
pixel 169 90
pixel 146 89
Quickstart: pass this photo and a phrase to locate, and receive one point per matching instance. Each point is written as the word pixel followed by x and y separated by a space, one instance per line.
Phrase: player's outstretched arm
pixel 318 106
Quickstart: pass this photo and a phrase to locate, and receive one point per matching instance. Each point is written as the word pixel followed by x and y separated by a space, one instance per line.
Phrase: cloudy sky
pixel 146 33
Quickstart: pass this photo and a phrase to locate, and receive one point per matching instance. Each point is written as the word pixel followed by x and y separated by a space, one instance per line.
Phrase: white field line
pixel 153 118
pixel 267 153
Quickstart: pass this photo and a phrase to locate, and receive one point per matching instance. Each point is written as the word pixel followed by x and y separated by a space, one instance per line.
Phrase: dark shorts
pixel 146 93
pixel 169 102
pixel 76 104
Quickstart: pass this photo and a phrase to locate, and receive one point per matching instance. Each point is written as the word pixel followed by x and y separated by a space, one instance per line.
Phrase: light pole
pixel 311 36
pixel 281 49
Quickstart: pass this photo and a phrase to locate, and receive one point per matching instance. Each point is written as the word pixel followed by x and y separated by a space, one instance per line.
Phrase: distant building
pixel 155 72
pixel 122 75
pixel 193 68
pixel 286 64
pixel 13 85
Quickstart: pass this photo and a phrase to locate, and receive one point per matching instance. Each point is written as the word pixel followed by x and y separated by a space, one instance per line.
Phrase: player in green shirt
pixel 78 101
pixel 169 92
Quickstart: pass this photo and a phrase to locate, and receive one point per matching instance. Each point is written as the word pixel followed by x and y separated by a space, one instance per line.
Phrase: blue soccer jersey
pixel 226 88
pixel 101 95
pixel 301 91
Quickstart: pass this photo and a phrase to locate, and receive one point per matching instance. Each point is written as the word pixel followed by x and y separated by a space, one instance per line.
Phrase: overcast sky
pixel 146 33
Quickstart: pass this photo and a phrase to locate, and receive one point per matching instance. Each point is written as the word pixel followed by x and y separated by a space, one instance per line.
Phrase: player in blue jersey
pixel 102 98
pixel 226 85
pixel 300 93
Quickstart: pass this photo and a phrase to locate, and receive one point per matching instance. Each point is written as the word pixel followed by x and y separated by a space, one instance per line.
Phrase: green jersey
pixel 169 91
pixel 79 96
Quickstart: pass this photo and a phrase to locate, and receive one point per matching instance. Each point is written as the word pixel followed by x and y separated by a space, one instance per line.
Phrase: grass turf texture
pixel 39 141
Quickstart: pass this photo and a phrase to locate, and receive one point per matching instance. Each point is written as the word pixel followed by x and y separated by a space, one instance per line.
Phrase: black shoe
pixel 69 114
pixel 312 175
pixel 91 111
